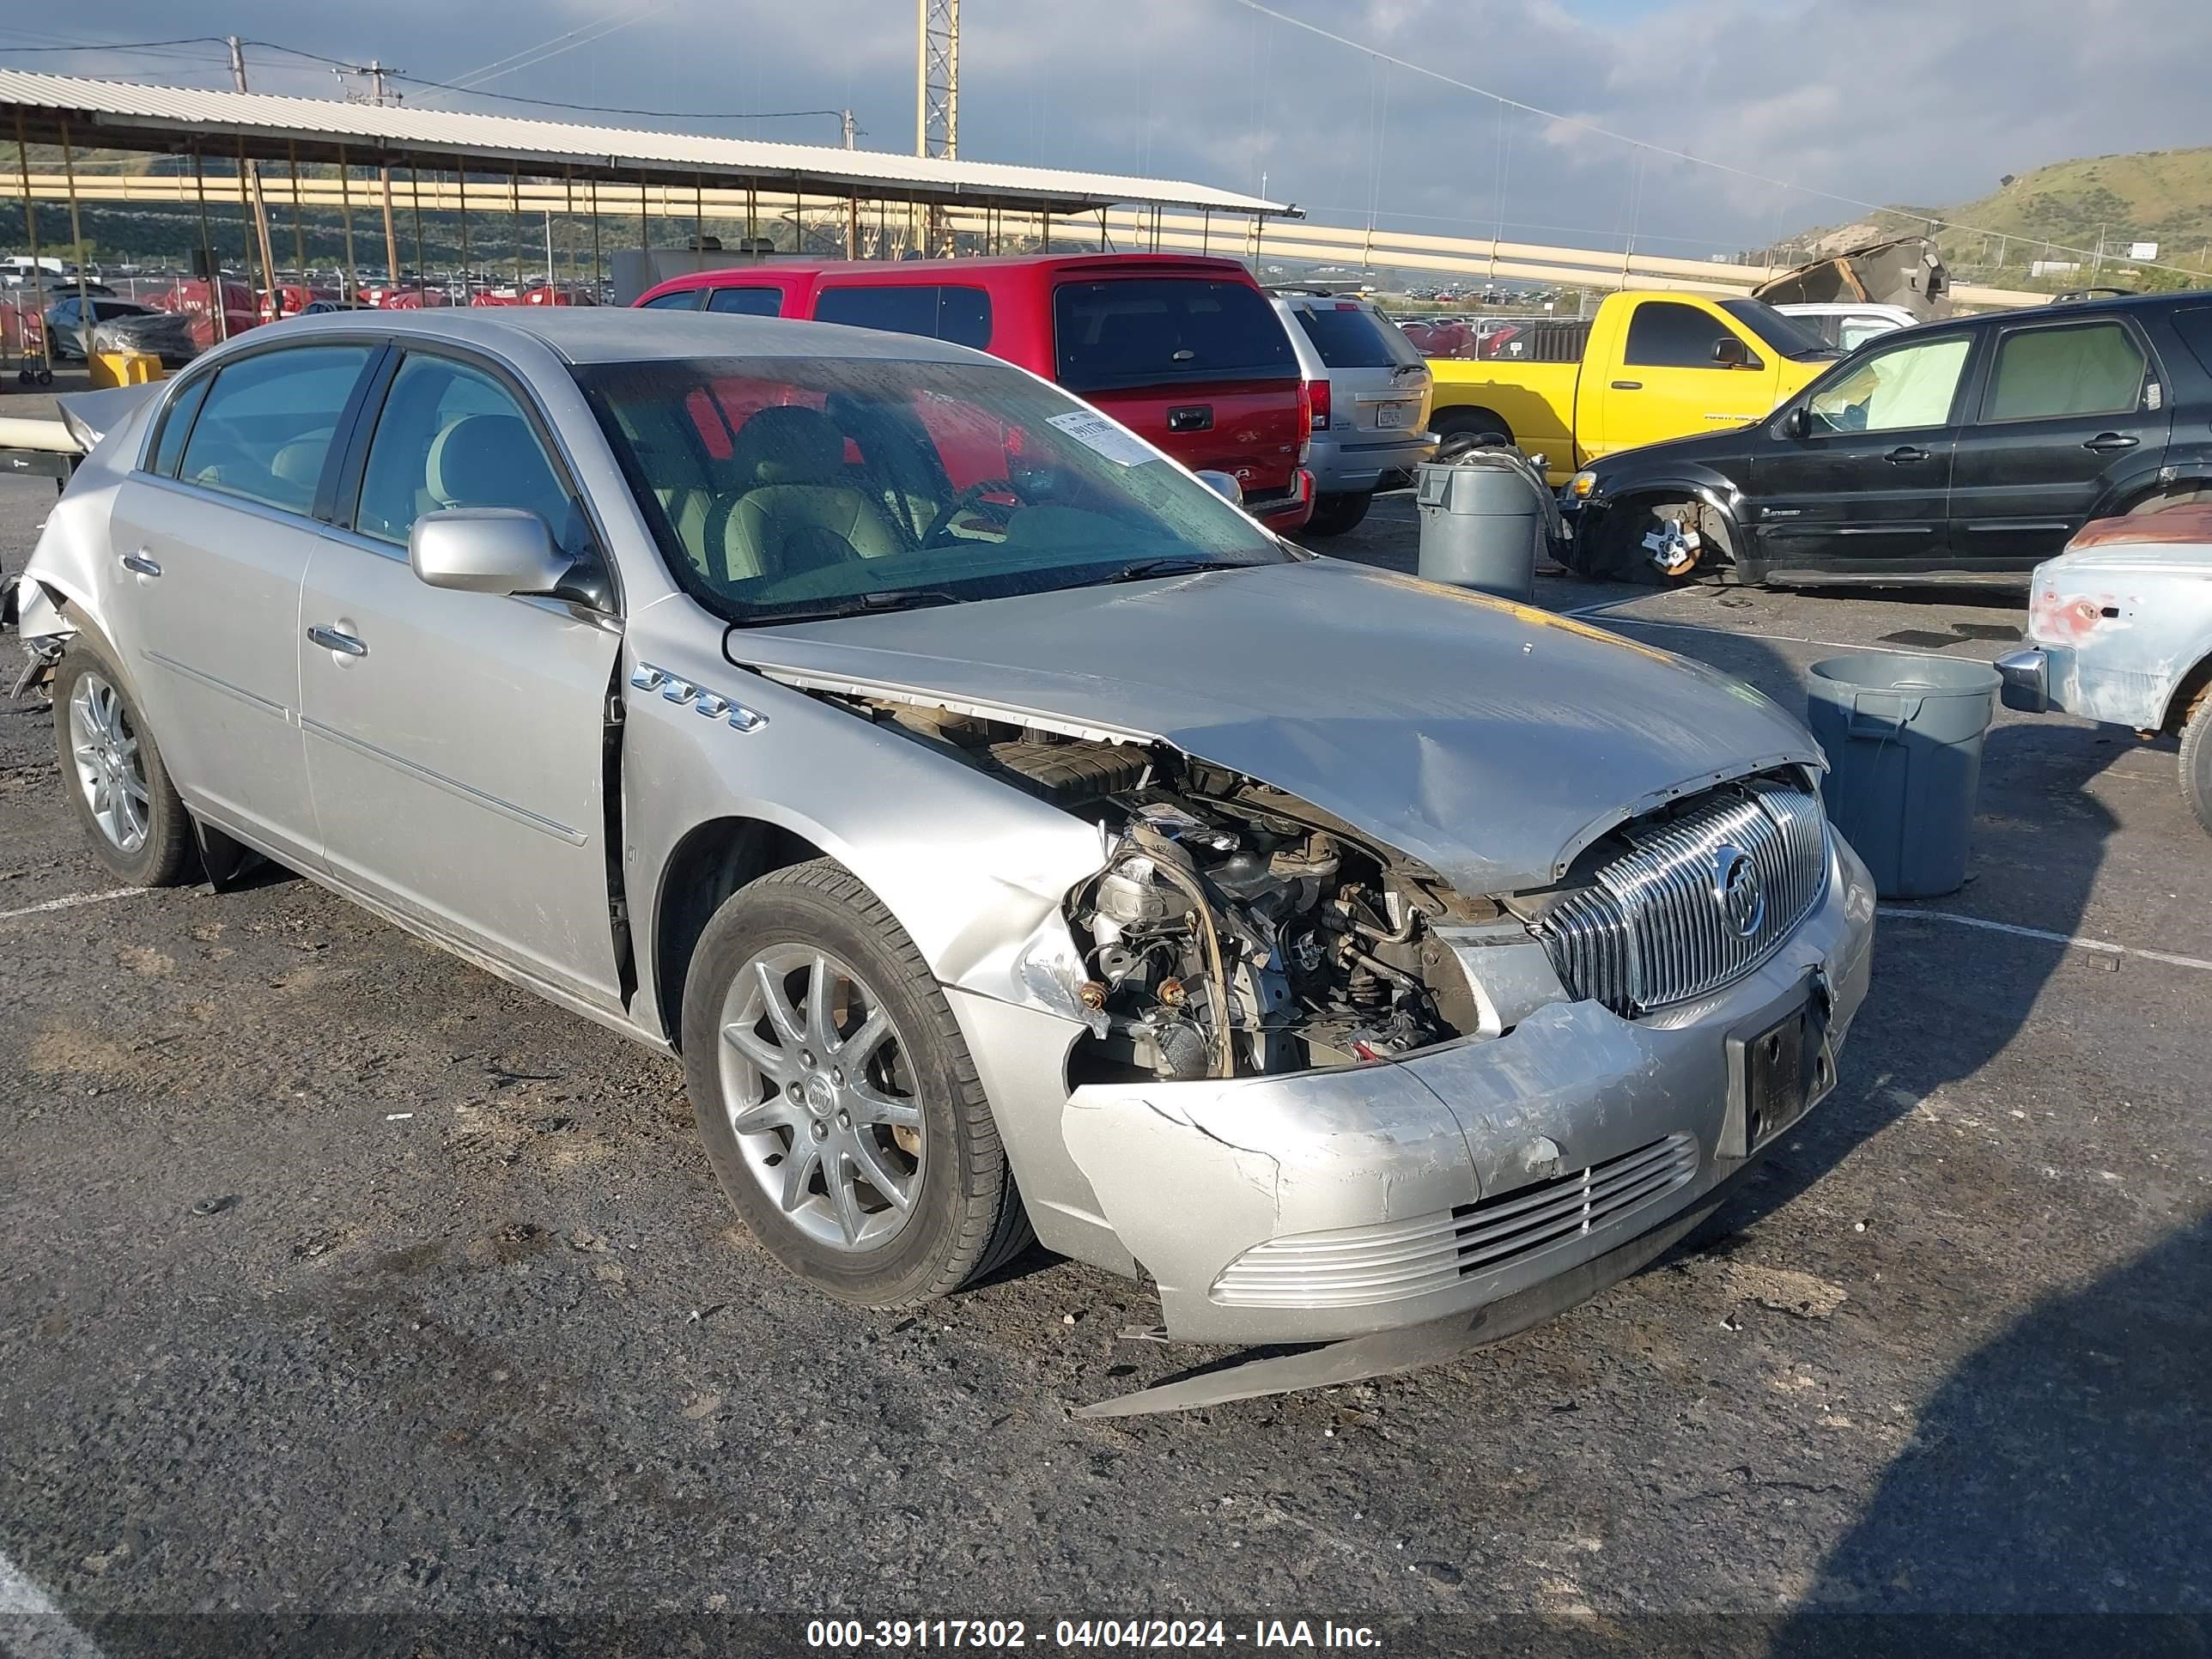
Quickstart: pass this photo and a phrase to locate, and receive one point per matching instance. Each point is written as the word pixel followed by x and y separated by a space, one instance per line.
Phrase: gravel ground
pixel 357 1302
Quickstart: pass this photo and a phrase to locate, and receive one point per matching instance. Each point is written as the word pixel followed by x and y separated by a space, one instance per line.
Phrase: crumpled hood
pixel 1490 741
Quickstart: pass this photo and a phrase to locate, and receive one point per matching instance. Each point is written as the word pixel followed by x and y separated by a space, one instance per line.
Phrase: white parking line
pixel 32 1626
pixel 69 902
pixel 2072 941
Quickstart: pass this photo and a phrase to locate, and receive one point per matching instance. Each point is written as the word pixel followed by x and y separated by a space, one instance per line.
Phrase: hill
pixel 2162 196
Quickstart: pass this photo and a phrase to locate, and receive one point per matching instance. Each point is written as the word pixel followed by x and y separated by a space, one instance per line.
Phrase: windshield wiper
pixel 1144 569
pixel 858 604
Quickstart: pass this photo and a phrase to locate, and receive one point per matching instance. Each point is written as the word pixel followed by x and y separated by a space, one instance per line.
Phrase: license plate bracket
pixel 1779 1068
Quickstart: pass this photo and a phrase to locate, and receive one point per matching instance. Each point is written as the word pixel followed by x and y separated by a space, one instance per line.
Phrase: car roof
pixel 2085 307
pixel 975 269
pixel 610 334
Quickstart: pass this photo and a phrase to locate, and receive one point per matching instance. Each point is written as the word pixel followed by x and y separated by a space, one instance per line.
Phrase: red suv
pixel 1186 351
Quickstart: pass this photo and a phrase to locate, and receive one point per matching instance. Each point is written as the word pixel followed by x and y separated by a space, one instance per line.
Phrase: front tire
pixel 839 1105
pixel 131 813
pixel 1333 515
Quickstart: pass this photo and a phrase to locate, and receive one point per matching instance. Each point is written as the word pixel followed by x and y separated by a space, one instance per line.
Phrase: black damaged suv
pixel 1968 449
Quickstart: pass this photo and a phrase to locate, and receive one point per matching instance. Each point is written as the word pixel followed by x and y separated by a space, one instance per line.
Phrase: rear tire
pixel 2196 760
pixel 1335 514
pixel 118 786
pixel 808 1124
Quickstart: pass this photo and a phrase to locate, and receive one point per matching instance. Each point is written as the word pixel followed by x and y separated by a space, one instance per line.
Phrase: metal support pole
pixel 852 228
pixel 514 200
pixel 37 271
pixel 644 235
pixel 76 235
pixel 299 235
pixel 699 216
pixel 257 232
pixel 207 247
pixel 468 272
pixel 345 213
pixel 567 212
pixel 596 279
pixel 415 202
pixel 1205 231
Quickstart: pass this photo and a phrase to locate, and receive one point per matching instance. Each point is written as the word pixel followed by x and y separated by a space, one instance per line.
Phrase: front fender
pixel 975 871
pixel 1675 482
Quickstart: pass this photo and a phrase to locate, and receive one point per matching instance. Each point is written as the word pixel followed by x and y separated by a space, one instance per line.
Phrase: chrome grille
pixel 1653 928
pixel 1355 1266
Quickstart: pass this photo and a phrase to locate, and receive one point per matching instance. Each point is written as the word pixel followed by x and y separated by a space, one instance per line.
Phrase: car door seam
pixel 441 781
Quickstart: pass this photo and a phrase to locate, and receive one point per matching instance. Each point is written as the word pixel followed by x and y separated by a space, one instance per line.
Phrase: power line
pixel 1643 144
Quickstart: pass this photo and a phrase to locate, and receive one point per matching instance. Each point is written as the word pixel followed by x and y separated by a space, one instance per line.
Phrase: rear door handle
pixel 332 639
pixel 140 564
pixel 1628 385
pixel 2105 443
pixel 1905 453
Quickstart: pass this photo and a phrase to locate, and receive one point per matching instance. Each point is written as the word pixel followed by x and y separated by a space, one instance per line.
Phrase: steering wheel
pixel 971 499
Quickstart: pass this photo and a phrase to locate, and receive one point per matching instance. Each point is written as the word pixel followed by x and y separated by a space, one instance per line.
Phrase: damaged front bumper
pixel 1327 1205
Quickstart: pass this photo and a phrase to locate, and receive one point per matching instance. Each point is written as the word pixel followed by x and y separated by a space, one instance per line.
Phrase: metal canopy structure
pixel 315 131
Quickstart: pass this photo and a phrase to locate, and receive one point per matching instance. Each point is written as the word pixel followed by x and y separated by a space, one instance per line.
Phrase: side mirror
pixel 486 549
pixel 1223 484
pixel 1795 422
pixel 1731 352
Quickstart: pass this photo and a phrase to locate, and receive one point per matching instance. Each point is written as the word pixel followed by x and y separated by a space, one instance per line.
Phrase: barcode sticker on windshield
pixel 1096 432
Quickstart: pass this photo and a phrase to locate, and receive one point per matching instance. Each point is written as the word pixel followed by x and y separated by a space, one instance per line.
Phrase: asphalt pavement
pixel 356 1302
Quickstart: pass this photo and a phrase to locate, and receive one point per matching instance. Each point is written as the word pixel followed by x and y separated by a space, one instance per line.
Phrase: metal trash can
pixel 1903 740
pixel 1485 516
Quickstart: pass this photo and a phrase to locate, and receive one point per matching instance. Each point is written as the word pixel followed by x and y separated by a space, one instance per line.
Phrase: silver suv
pixel 1371 401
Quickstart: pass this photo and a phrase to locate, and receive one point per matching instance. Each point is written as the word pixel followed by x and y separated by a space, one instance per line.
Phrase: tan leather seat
pixel 494 460
pixel 797 513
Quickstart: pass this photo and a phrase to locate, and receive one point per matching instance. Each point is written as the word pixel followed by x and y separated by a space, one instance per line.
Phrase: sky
pixel 1797 102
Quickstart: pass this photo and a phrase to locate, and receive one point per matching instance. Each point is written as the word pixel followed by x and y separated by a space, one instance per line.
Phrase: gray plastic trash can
pixel 1903 740
pixel 1482 521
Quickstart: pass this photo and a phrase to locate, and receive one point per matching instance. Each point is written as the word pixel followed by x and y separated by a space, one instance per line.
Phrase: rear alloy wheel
pixel 2196 760
pixel 129 811
pixel 838 1104
pixel 1335 514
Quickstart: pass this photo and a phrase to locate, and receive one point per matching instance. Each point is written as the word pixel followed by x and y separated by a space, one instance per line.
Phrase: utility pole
pixel 850 128
pixel 253 181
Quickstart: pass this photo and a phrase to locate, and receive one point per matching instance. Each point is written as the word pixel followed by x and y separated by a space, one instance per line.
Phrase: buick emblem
pixel 1736 890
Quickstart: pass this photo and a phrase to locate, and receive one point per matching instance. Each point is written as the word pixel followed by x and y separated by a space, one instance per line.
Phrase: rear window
pixel 747 301
pixel 2049 373
pixel 681 299
pixel 959 315
pixel 1353 336
pixel 1148 331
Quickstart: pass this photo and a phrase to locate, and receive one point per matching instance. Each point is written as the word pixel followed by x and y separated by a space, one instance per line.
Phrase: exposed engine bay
pixel 1233 930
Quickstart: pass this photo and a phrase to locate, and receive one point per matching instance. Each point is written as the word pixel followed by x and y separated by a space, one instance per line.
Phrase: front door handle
pixel 333 639
pixel 1905 453
pixel 140 564
pixel 1628 385
pixel 2105 442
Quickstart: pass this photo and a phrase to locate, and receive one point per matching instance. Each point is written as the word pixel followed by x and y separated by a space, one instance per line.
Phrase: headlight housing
pixel 1579 487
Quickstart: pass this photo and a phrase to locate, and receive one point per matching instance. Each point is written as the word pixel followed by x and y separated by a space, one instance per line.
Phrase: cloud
pixel 1922 100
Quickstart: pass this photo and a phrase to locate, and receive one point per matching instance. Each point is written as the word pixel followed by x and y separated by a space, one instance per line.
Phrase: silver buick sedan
pixel 1011 836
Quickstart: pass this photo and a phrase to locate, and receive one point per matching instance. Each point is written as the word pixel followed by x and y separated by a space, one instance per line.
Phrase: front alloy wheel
pixel 837 1101
pixel 820 1097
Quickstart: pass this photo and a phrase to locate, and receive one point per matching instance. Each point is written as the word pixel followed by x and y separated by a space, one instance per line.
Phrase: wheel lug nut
pixel 844 1120
pixel 807 1058
pixel 793 1090
pixel 837 1076
pixel 821 1130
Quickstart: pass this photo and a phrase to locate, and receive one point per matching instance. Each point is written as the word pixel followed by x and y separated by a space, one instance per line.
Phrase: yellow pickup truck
pixel 1646 367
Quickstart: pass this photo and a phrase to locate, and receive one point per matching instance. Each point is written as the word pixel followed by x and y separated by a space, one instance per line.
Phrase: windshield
pixel 783 488
pixel 1786 334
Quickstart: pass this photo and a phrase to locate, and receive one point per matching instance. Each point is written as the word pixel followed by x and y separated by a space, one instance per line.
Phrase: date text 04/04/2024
pixel 1165 1634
